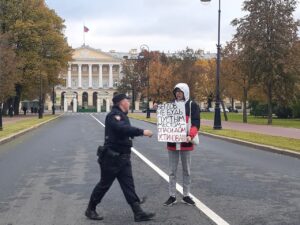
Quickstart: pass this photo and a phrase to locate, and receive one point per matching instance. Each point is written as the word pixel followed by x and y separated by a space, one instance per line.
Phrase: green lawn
pixel 18 126
pixel 238 117
pixel 279 142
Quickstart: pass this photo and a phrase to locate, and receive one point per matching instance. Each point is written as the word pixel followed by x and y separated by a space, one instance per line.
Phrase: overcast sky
pixel 165 25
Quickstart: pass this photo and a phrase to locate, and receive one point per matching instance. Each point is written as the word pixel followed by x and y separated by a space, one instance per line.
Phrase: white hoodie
pixel 185 89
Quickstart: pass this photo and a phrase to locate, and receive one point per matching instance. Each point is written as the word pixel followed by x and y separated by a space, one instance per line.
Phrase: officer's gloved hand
pixel 148 133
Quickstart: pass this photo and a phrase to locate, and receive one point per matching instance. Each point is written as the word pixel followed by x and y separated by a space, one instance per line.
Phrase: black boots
pixel 139 214
pixel 92 214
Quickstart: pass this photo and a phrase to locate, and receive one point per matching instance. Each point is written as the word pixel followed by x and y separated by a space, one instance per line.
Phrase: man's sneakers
pixel 170 201
pixel 188 200
pixel 92 214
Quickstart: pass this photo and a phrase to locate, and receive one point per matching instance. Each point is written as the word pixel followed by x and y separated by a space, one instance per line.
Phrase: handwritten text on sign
pixel 171 122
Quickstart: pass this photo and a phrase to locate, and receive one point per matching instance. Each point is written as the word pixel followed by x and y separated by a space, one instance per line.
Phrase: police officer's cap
pixel 119 97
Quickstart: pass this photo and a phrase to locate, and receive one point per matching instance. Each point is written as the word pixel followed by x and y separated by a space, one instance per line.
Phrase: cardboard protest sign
pixel 171 122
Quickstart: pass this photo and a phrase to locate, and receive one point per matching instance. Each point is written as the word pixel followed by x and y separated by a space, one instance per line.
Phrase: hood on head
pixel 184 88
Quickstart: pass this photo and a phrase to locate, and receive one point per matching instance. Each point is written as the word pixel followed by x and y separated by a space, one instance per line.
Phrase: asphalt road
pixel 47 175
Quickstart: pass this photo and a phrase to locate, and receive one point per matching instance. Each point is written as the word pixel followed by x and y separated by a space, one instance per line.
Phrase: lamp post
pixel 217 118
pixel 143 47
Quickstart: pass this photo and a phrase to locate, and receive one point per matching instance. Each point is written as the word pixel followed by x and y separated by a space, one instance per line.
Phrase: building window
pixel 74 68
pixel 95 69
pixel 84 68
pixel 74 83
pixel 105 84
pixel 105 69
pixel 95 82
pixel 115 69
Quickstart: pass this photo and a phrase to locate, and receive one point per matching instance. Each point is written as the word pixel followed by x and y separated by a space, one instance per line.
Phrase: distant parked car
pixel 226 110
pixel 204 110
pixel 213 109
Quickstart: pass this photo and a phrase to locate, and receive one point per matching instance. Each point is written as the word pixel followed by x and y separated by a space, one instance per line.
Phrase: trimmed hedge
pixel 87 110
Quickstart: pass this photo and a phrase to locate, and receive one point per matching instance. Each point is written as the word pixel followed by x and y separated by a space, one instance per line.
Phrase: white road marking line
pixel 97 120
pixel 201 206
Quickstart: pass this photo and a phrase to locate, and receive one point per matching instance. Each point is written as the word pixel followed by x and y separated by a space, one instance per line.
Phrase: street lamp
pixel 217 118
pixel 143 48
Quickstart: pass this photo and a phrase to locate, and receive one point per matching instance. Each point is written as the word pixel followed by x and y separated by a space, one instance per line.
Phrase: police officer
pixel 115 161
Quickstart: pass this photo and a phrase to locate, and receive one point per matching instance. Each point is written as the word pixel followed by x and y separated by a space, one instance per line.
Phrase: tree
pixel 238 72
pixel 8 64
pixel 205 85
pixel 37 34
pixel 186 69
pixel 269 30
pixel 131 79
pixel 161 80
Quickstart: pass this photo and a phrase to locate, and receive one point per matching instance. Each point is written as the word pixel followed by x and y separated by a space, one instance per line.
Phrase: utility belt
pixel 109 152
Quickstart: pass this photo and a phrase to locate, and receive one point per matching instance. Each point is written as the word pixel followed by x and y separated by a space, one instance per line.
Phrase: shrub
pixel 283 112
pixel 296 109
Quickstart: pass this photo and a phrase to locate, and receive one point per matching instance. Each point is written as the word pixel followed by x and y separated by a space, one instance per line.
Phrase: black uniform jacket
pixel 119 132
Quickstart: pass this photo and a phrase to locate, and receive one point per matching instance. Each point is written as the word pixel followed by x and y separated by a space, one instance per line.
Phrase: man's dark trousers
pixel 115 168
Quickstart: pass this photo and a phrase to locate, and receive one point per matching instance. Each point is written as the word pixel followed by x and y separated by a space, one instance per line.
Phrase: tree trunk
pixel 225 113
pixel 245 98
pixel 16 105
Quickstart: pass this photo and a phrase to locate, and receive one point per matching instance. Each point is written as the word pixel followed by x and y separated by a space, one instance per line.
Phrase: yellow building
pixel 90 81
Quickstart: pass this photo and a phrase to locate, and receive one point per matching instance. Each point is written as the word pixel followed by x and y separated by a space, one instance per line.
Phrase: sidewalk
pixel 22 128
pixel 260 129
pixel 9 120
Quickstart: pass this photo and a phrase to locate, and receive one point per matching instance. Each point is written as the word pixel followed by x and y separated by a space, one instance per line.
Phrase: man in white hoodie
pixel 183 150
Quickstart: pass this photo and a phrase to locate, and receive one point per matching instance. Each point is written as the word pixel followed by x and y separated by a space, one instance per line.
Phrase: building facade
pixel 91 80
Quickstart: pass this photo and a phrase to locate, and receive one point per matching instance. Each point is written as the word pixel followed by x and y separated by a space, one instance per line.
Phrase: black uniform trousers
pixel 115 168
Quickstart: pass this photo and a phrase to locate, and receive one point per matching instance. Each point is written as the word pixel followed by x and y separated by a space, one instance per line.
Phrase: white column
pixel 69 77
pixel 120 72
pixel 100 76
pixel 79 75
pixel 90 76
pixel 65 103
pixel 98 103
pixel 107 105
pixel 74 104
pixel 110 84
pixel 137 105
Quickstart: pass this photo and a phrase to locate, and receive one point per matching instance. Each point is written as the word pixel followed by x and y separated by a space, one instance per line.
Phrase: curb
pixel 267 148
pixel 20 133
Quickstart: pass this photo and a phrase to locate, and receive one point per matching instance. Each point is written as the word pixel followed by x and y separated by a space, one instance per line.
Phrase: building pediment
pixel 86 53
